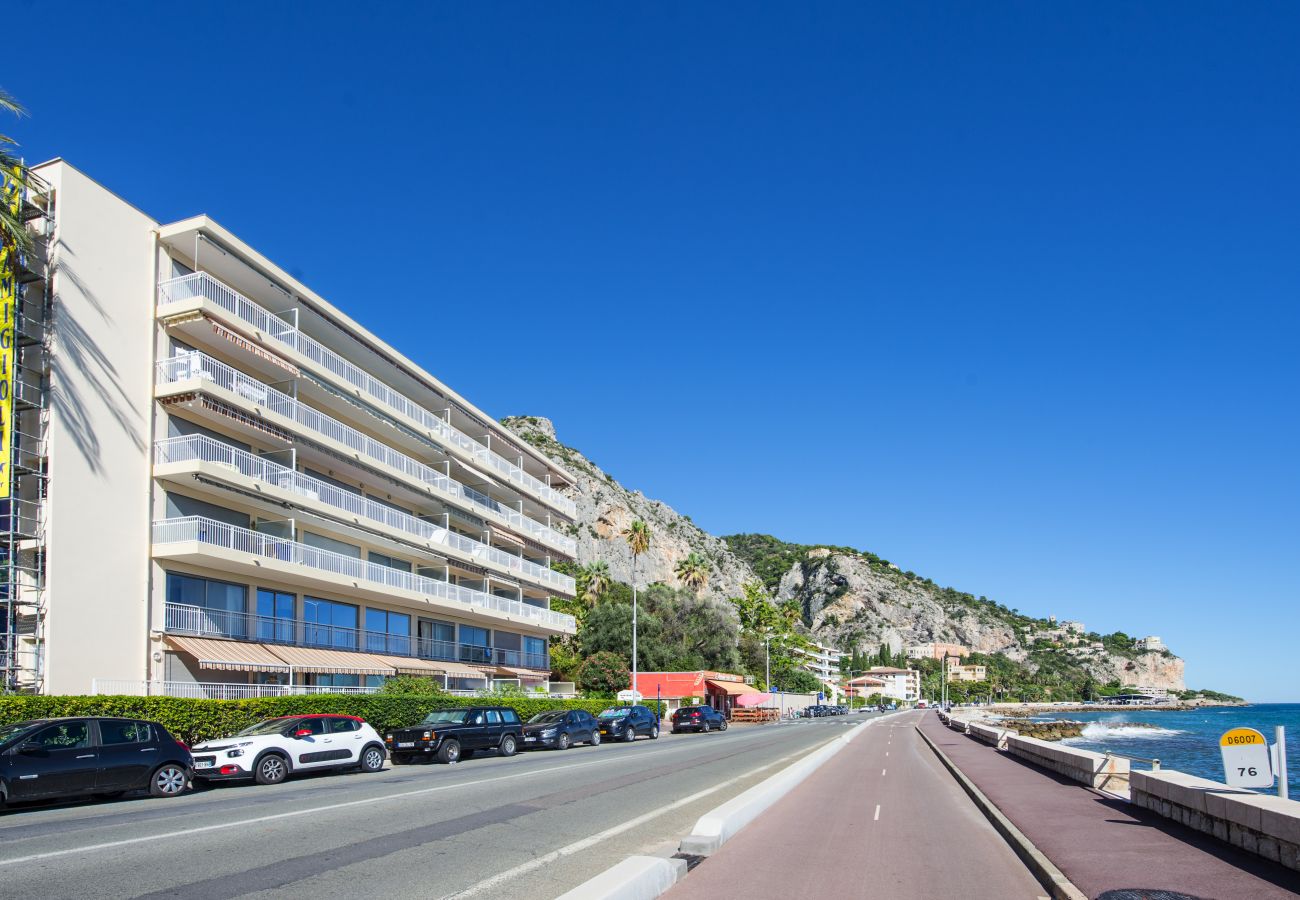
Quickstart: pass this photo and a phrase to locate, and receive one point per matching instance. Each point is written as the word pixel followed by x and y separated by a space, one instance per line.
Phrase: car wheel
pixel 562 742
pixel 629 735
pixel 271 769
pixel 168 781
pixel 508 745
pixel 449 752
pixel 654 733
pixel 595 739
pixel 705 728
pixel 372 759
pixel 723 726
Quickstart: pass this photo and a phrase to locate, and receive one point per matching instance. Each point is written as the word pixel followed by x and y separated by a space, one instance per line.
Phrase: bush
pixel 193 721
pixel 604 673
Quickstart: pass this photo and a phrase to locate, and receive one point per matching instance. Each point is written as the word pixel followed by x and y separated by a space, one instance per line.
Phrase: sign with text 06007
pixel 1246 760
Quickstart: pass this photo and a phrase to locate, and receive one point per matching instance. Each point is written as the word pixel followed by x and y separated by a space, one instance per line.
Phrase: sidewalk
pixel 882 819
pixel 1103 844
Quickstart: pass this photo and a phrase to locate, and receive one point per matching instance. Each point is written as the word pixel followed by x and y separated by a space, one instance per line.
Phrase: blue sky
pixel 1004 293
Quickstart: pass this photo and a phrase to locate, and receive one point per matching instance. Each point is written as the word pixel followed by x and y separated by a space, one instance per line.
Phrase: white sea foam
pixel 1101 731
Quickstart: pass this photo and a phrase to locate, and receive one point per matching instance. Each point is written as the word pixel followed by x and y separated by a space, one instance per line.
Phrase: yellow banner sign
pixel 1242 737
pixel 12 196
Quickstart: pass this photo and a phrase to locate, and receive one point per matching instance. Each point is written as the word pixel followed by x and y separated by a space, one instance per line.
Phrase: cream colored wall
pixel 99 431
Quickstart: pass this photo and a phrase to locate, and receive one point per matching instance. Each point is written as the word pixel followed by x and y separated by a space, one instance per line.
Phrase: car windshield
pixel 270 726
pixel 9 732
pixel 554 715
pixel 446 717
pixel 615 713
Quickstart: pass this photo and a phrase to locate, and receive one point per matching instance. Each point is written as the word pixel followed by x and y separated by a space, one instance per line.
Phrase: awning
pixel 410 665
pixel 248 345
pixel 735 688
pixel 515 672
pixel 309 659
pixel 456 670
pixel 236 656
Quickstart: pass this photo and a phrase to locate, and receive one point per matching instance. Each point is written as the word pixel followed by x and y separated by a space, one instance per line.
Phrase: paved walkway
pixel 1103 844
pixel 881 820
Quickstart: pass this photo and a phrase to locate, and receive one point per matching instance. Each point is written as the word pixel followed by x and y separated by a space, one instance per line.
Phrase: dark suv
pixel 50 758
pixel 698 718
pixel 450 735
pixel 624 723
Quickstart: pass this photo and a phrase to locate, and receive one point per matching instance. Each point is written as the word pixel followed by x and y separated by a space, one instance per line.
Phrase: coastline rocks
pixel 1048 731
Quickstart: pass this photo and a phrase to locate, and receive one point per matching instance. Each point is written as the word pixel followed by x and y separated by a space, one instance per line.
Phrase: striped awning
pixel 251 347
pixel 235 656
pixel 458 670
pixel 515 672
pixel 410 665
pixel 310 659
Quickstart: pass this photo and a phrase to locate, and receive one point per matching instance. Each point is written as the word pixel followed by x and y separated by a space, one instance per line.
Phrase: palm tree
pixel 637 536
pixel 13 233
pixel 597 582
pixel 693 572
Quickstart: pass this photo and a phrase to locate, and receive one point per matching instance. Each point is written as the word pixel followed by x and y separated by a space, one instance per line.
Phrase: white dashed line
pixel 882 772
pixel 876 818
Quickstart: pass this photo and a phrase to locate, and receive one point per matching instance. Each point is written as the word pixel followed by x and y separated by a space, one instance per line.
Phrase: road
pixel 533 825
pixel 881 820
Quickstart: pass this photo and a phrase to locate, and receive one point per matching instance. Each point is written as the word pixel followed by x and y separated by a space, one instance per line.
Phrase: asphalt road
pixel 881 820
pixel 531 826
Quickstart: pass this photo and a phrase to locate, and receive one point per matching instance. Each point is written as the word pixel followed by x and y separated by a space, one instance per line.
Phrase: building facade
pixel 1151 642
pixel 241 491
pixel 899 684
pixel 936 651
pixel 824 663
pixel 967 673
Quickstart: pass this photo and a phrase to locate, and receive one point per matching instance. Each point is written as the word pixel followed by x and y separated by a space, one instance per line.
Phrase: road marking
pixel 886 752
pixel 882 772
pixel 585 843
pixel 877 816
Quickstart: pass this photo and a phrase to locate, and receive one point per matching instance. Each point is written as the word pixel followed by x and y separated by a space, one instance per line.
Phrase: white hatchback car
pixel 270 750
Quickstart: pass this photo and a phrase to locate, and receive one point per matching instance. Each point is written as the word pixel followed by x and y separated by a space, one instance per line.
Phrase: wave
pixel 1100 731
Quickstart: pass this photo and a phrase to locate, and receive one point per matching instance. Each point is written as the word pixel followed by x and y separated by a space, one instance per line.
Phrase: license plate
pixel 529 740
pixel 203 765
pixel 406 743
pixel 604 731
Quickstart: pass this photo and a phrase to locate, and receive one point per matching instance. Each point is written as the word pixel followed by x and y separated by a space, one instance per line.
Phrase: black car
pixel 698 718
pixel 44 759
pixel 624 723
pixel 449 735
pixel 561 729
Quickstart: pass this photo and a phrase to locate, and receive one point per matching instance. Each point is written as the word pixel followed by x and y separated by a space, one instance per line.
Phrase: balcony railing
pixel 243 540
pixel 195 365
pixel 201 448
pixel 224 691
pixel 201 284
pixel 201 622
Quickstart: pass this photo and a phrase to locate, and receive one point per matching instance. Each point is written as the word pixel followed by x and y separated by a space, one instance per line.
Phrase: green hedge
pixel 193 721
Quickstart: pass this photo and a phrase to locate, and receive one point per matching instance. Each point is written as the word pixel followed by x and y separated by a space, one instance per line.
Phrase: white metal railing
pixel 196 365
pixel 216 690
pixel 201 284
pixel 244 540
pixel 205 449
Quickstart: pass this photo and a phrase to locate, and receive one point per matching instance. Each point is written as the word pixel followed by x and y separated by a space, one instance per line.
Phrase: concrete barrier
pixel 635 878
pixel 1257 823
pixel 990 734
pixel 961 725
pixel 1097 770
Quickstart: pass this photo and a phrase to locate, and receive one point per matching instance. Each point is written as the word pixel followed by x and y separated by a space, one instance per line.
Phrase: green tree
pixel 637 536
pixel 693 572
pixel 604 674
pixel 14 236
pixel 596 581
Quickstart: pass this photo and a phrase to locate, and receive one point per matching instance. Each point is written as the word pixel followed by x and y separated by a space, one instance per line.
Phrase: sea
pixel 1187 740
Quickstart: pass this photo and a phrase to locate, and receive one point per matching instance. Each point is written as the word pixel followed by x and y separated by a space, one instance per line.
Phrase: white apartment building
pixel 900 684
pixel 824 662
pixel 225 486
pixel 1151 642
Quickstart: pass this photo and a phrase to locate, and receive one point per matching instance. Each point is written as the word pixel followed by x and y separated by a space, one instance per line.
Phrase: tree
pixel 637 536
pixel 603 674
pixel 693 572
pixel 14 236
pixel 596 581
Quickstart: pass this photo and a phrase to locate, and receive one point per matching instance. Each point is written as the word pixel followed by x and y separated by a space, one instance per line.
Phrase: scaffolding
pixel 22 515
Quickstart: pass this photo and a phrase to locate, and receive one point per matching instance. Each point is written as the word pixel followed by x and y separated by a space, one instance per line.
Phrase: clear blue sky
pixel 1005 293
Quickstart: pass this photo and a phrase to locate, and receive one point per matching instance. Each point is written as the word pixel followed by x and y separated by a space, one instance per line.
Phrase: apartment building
pixel 967 673
pixel 823 662
pixel 222 485
pixel 936 650
pixel 899 684
pixel 1151 642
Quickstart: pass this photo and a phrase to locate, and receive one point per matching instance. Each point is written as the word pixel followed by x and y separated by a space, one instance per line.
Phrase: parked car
pixel 273 749
pixel 624 723
pixel 561 729
pixel 44 759
pixel 698 718
pixel 450 735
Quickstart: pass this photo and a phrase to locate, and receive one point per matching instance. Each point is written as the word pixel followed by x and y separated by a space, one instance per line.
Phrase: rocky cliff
pixel 605 508
pixel 850 600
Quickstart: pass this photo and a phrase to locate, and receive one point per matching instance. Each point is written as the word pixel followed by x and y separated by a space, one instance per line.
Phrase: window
pixel 493 717
pixel 275 611
pixel 510 716
pixel 315 726
pixel 64 736
pixel 329 624
pixel 389 562
pixel 343 726
pixel 535 653
pixel 333 546
pixel 335 679
pixel 116 732
pixel 475 644
pixel 388 632
pixel 223 605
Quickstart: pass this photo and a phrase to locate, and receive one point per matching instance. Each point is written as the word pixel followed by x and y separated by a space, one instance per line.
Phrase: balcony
pixel 336 570
pixel 195 366
pixel 200 622
pixel 204 286
pixel 202 449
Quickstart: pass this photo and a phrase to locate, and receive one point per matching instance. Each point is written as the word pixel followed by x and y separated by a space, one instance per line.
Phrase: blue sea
pixel 1187 740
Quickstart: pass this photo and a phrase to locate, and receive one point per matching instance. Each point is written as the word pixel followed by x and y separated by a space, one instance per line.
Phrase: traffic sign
pixel 820 696
pixel 1246 760
pixel 629 696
